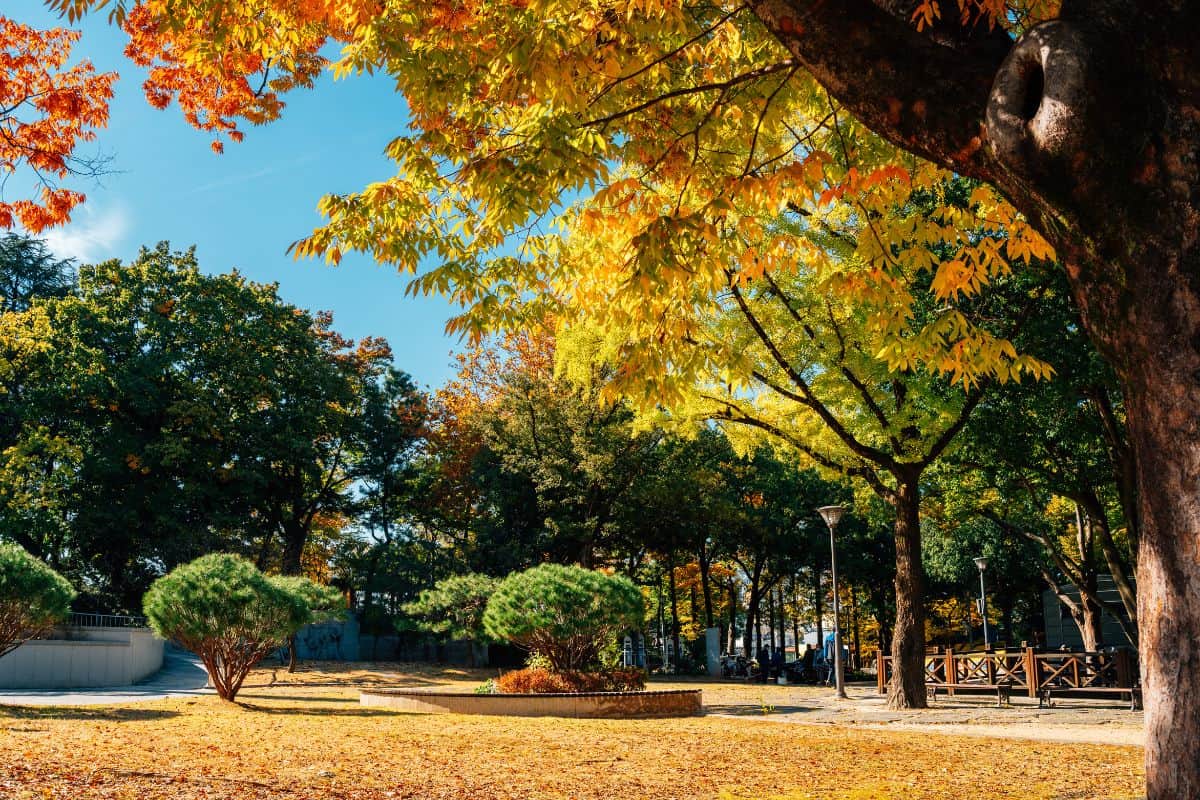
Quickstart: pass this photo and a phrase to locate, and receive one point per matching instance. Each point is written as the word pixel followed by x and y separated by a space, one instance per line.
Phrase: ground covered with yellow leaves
pixel 305 736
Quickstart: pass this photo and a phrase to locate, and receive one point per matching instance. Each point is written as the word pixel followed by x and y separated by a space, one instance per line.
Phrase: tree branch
pixel 920 95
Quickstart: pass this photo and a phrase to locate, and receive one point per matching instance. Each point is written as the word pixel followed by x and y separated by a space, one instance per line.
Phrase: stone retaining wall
pixel 92 658
pixel 607 705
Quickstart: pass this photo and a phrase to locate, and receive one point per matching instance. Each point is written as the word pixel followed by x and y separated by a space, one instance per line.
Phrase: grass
pixel 306 737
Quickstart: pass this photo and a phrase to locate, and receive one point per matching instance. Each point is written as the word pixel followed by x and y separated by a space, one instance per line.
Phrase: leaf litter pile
pixel 305 737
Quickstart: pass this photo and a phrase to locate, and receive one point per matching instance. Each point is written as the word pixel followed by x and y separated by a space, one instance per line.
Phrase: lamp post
pixel 832 515
pixel 982 563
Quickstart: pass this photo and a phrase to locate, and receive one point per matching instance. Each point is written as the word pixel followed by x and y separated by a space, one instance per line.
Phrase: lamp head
pixel 981 562
pixel 831 514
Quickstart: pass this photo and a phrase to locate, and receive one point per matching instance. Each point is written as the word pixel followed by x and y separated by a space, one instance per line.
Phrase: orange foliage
pixel 543 681
pixel 46 110
pixel 237 83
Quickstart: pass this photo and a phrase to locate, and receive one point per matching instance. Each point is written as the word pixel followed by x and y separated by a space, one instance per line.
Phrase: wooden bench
pixel 1003 690
pixel 1047 694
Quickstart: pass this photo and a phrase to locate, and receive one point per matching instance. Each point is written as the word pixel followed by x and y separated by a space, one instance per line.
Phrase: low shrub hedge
pixel 544 681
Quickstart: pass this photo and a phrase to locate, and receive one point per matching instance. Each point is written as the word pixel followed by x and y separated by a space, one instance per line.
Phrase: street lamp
pixel 982 563
pixel 832 515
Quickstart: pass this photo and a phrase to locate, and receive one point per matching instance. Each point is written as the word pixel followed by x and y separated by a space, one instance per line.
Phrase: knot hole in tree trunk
pixel 1036 115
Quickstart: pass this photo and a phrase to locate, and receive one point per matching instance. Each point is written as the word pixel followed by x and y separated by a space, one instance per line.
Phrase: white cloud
pixel 92 237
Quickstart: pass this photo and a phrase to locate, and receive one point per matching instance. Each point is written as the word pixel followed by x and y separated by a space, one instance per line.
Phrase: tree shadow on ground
pixel 396 681
pixel 755 709
pixel 296 711
pixel 297 698
pixel 84 713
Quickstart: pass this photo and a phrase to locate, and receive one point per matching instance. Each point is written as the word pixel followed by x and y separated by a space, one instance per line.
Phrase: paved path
pixel 182 675
pixel 1076 721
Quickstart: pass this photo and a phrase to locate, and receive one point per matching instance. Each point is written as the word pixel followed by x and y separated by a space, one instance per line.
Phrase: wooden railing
pixel 1024 669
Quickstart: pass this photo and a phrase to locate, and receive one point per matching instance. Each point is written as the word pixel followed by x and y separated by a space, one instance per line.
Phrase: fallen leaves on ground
pixel 304 736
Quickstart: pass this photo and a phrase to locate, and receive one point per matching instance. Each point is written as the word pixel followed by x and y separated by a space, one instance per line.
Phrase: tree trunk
pixel 907 687
pixel 733 598
pixel 857 663
pixel 1117 567
pixel 753 601
pixel 706 586
pixel 771 618
pixel 818 611
pixel 674 613
pixel 1090 125
pixel 1164 417
pixel 1090 622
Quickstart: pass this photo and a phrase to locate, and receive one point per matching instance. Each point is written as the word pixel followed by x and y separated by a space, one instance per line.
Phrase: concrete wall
pixel 329 641
pixel 92 657
pixel 596 705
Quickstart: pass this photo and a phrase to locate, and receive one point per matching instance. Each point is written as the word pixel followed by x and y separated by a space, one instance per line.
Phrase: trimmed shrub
pixel 231 615
pixel 325 603
pixel 454 607
pixel 565 614
pixel 542 681
pixel 33 597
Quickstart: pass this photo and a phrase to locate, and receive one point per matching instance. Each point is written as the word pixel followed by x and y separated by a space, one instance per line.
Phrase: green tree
pixel 454 607
pixel 33 597
pixel 567 614
pixel 1081 114
pixel 552 465
pixel 29 270
pixel 160 413
pixel 230 614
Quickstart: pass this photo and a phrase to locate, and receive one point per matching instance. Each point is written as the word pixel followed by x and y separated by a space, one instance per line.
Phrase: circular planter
pixel 593 705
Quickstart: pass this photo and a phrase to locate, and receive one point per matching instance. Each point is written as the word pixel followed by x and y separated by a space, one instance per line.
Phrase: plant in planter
pixel 565 617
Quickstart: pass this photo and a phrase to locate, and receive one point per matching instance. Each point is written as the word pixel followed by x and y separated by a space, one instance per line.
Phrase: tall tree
pixel 160 413
pixel 1024 99
pixel 28 270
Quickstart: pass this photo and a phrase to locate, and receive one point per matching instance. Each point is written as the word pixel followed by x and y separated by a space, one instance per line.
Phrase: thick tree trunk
pixel 907 687
pixel 1164 416
pixel 1090 622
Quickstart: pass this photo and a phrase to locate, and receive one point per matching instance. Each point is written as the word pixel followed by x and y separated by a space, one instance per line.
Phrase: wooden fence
pixel 1024 670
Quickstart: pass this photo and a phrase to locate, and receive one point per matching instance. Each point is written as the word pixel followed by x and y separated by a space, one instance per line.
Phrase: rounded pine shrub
pixel 231 615
pixel 33 597
pixel 566 615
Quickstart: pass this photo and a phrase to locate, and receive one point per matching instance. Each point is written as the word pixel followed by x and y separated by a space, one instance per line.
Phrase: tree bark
pixel 857 662
pixel 818 611
pixel 907 687
pixel 1164 417
pixel 733 598
pixel 674 610
pixel 771 618
pixel 1091 128
pixel 706 586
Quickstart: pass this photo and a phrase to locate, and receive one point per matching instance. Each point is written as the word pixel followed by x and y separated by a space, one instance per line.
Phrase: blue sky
pixel 242 209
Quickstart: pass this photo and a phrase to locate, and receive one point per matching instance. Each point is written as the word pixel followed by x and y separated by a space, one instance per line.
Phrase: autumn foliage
pixel 544 681
pixel 47 109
